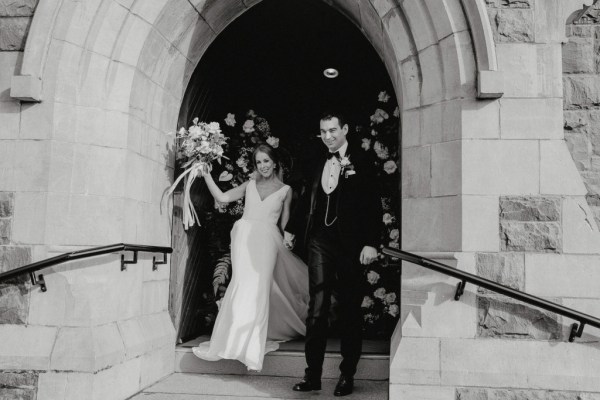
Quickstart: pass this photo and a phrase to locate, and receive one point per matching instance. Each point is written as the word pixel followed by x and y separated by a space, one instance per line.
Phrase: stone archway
pixel 110 75
pixel 145 54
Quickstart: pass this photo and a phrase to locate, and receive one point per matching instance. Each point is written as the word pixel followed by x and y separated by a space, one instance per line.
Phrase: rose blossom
pixel 390 298
pixel 387 218
pixel 384 97
pixel 397 112
pixel 390 166
pixel 394 234
pixel 394 310
pixel 230 120
pixel 242 162
pixel 381 150
pixel 273 141
pixel 366 144
pixel 373 277
pixel 394 245
pixel 379 293
pixel 379 116
pixel 248 126
pixel 367 302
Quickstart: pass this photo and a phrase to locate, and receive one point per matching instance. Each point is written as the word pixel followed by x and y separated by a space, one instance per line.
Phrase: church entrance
pixel 267 77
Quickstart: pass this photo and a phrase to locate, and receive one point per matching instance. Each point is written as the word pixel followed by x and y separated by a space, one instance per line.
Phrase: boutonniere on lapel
pixel 347 167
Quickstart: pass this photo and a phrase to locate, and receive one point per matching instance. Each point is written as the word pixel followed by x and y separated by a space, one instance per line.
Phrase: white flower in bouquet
pixel 204 147
pixel 230 120
pixel 383 97
pixel 273 141
pixel 366 144
pixel 387 218
pixel 198 146
pixel 379 116
pixel 248 126
pixel 394 245
pixel 390 298
pixel 394 310
pixel 390 167
pixel 367 302
pixel 379 293
pixel 394 234
pixel 381 150
pixel 372 277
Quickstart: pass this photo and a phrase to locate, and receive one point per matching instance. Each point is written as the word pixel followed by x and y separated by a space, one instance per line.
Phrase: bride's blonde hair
pixel 269 151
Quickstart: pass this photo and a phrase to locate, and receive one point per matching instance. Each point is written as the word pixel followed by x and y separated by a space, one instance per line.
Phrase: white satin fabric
pixel 267 298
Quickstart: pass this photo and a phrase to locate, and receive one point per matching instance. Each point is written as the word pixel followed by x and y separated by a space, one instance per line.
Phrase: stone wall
pixel 581 67
pixel 15 18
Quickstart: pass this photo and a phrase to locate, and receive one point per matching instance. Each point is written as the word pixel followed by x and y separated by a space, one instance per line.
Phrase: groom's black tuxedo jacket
pixel 358 203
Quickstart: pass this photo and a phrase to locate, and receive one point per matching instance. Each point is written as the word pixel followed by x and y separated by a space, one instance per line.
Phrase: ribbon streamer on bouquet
pixel 189 176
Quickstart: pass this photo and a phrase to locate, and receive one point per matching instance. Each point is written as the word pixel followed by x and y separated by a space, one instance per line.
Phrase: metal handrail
pixel 32 268
pixel 576 329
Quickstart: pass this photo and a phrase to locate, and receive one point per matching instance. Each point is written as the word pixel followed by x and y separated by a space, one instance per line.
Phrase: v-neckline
pixel 269 195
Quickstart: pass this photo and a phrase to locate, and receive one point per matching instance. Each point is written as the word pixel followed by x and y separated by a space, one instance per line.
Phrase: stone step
pixel 289 361
pixel 181 386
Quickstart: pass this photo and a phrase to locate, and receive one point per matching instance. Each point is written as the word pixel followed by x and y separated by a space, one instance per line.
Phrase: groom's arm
pixel 298 215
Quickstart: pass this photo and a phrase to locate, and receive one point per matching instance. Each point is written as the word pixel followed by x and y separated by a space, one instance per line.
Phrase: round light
pixel 331 73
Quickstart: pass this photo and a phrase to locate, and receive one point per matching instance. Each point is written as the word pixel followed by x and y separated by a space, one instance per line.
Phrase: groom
pixel 344 211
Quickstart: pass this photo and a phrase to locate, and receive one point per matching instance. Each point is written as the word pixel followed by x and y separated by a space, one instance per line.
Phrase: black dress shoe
pixel 344 386
pixel 306 385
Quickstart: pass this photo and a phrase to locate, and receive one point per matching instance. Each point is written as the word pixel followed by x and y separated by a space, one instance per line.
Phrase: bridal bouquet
pixel 198 146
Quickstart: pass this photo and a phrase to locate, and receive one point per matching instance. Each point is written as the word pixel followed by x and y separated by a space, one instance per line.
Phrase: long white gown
pixel 267 297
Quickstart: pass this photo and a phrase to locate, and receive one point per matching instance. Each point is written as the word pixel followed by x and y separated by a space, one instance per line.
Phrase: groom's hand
pixel 288 240
pixel 368 255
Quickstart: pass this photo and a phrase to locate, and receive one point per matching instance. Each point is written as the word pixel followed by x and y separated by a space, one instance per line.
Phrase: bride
pixel 267 297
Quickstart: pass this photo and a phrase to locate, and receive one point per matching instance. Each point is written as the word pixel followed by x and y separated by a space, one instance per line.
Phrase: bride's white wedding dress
pixel 267 297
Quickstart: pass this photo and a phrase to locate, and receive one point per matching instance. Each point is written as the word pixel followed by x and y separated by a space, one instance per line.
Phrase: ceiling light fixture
pixel 331 73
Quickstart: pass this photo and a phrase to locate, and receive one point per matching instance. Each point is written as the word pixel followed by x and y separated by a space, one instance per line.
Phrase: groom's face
pixel 332 134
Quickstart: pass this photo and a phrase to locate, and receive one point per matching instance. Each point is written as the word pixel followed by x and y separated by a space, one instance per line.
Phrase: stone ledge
pixel 26 88
pixel 490 84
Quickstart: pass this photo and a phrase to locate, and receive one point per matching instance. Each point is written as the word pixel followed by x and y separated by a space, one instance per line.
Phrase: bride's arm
pixel 285 213
pixel 233 194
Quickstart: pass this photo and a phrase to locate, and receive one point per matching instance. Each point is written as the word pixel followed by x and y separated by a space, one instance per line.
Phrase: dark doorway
pixel 271 60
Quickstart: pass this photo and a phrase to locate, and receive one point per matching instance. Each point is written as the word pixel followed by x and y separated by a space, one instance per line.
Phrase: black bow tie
pixel 336 154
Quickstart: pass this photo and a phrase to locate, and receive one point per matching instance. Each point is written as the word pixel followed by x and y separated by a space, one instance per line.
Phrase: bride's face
pixel 264 165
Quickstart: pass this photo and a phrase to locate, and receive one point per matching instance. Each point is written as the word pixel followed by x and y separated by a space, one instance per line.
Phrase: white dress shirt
pixel 331 172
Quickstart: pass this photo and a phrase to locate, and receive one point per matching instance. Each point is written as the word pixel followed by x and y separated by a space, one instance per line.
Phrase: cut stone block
pixel 512 25
pixel 522 394
pixel 530 236
pixel 18 385
pixel 14 304
pixel 501 317
pixel 17 8
pixel 504 268
pixel 530 208
pixel 14 33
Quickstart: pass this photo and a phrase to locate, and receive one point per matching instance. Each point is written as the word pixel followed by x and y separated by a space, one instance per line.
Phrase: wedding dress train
pixel 267 298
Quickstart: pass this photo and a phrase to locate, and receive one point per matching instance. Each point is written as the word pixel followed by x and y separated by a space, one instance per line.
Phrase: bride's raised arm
pixel 233 194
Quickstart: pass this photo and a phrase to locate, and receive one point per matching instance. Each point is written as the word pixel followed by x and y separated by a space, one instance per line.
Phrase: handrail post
pixel 38 281
pixel 155 263
pixel 460 289
pixel 125 262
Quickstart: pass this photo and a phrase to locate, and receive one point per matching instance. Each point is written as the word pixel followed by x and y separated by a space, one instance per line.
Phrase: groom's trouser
pixel 331 266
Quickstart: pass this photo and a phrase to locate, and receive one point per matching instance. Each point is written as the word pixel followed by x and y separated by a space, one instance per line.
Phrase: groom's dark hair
pixel 330 114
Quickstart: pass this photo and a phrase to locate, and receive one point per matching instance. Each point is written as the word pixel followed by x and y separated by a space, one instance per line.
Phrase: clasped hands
pixel 367 255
